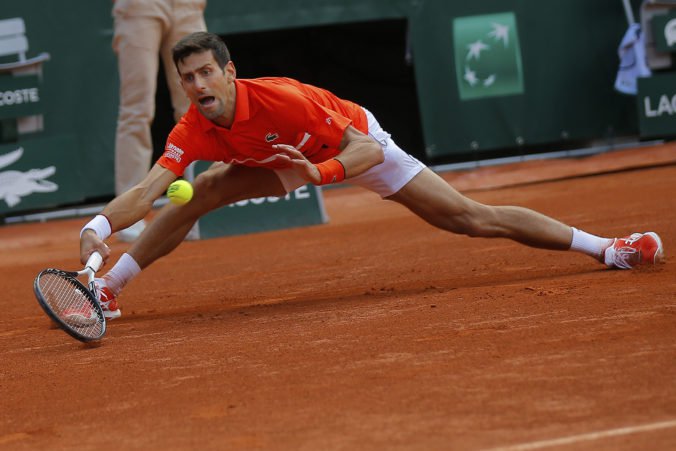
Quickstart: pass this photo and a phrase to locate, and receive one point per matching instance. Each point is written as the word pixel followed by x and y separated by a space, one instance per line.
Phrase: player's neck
pixel 228 117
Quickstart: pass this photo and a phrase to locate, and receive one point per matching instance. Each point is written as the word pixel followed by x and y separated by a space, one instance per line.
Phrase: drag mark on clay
pixel 589 436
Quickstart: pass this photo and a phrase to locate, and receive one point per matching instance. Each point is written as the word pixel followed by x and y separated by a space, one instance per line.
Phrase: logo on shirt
pixel 173 152
pixel 271 137
pixel 328 120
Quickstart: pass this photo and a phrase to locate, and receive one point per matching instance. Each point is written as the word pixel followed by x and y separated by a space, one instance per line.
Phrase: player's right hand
pixel 290 157
pixel 90 243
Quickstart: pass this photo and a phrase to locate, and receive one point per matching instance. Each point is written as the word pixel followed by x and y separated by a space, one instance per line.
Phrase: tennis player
pixel 269 136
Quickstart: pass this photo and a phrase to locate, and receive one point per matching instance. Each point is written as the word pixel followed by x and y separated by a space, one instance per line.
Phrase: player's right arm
pixel 123 211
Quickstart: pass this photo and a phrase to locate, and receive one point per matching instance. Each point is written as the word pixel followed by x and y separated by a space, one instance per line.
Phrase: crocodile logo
pixel 16 184
pixel 271 137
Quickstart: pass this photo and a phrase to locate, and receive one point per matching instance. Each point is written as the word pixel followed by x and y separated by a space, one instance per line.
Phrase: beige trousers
pixel 144 31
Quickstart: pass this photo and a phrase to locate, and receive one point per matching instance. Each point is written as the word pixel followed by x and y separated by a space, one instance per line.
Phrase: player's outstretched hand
pixel 90 243
pixel 290 157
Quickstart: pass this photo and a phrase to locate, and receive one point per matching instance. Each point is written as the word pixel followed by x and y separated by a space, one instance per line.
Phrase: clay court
pixel 372 332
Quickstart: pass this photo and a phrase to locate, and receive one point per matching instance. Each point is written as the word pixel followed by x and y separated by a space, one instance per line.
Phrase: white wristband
pixel 100 225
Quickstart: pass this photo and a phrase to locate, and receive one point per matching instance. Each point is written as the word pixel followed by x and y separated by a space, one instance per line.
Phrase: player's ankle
pixel 122 273
pixel 592 245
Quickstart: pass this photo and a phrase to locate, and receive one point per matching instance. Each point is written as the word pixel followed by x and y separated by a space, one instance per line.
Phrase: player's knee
pixel 473 222
pixel 205 185
pixel 463 225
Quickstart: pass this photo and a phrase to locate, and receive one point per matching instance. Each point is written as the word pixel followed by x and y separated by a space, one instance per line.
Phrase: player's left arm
pixel 126 209
pixel 358 153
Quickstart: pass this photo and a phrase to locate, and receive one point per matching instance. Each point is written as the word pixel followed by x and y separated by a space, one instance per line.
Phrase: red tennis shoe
pixel 636 249
pixel 106 299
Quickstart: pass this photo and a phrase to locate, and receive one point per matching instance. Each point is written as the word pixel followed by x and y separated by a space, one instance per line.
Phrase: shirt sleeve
pixel 178 153
pixel 326 125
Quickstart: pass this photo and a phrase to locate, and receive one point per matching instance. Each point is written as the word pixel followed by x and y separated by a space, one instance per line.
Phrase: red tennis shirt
pixel 267 111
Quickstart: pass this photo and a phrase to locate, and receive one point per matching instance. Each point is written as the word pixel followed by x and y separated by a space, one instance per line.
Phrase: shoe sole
pixel 659 253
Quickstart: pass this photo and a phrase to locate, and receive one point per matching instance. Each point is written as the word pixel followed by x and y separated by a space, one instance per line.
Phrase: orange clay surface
pixel 372 332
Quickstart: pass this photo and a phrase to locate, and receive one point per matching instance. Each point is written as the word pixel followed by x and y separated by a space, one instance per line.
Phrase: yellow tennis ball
pixel 180 192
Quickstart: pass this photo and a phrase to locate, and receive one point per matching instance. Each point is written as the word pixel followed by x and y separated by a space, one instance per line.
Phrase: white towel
pixel 632 60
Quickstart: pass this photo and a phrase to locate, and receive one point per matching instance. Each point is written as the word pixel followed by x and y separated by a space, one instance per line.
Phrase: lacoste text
pixel 28 95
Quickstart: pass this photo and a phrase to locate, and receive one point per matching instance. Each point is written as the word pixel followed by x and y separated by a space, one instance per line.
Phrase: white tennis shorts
pixel 387 178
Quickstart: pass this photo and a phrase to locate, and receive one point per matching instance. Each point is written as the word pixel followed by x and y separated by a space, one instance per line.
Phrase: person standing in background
pixel 146 30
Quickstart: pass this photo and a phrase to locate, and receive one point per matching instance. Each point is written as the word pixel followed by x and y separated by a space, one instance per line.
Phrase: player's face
pixel 211 89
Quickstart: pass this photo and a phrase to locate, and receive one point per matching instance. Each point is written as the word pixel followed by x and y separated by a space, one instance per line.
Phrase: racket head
pixel 71 305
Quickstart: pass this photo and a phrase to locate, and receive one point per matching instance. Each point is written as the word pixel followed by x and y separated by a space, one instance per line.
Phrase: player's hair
pixel 199 42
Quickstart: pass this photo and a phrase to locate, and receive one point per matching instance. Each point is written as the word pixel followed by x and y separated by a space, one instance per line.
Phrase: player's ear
pixel 230 71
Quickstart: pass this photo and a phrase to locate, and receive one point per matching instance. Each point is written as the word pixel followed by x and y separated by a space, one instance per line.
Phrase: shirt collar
pixel 241 102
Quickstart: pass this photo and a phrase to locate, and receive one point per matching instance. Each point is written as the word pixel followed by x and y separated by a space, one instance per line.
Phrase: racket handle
pixel 95 261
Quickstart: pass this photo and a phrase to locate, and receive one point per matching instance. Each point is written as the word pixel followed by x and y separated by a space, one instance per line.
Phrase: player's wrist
pixel 100 225
pixel 330 171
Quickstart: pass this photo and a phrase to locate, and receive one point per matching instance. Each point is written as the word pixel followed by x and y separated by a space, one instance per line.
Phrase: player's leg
pixel 431 198
pixel 438 203
pixel 219 186
pixel 404 179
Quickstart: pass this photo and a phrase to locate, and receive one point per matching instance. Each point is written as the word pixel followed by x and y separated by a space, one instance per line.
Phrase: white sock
pixel 589 244
pixel 122 273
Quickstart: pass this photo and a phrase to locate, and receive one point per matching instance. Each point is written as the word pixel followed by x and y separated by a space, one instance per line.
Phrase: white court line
pixel 590 436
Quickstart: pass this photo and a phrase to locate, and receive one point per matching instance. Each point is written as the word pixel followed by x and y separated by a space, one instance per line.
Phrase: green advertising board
pixel 664 32
pixel 657 105
pixel 487 56
pixel 75 95
pixel 508 74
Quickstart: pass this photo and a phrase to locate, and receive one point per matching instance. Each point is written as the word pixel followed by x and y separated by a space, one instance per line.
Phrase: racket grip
pixel 95 261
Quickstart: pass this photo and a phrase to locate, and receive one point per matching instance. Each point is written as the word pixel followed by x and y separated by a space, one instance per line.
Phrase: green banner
pixel 260 15
pixel 77 92
pixel 657 105
pixel 510 74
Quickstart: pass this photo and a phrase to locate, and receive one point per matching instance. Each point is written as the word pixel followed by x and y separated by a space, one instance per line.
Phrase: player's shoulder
pixel 275 94
pixel 270 82
pixel 192 121
pixel 189 126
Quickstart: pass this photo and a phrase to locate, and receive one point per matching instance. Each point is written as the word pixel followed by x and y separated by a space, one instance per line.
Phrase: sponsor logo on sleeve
pixel 173 152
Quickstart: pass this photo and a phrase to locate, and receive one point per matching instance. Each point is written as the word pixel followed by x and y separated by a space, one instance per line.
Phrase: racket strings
pixel 70 303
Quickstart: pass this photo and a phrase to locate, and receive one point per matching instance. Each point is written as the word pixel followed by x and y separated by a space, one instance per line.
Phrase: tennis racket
pixel 72 305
